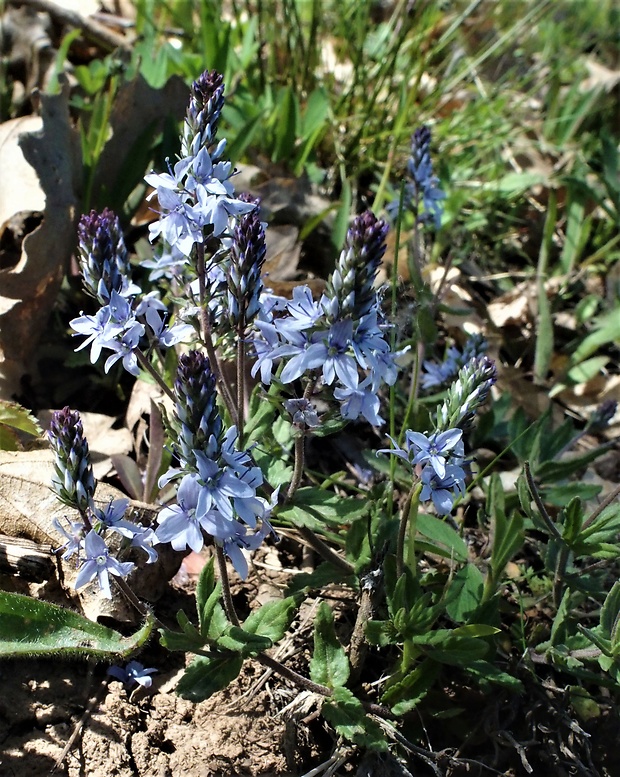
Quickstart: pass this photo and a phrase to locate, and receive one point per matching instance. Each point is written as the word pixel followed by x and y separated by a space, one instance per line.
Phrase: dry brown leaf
pixel 104 440
pixel 28 508
pixel 29 286
pixel 137 106
pixel 515 308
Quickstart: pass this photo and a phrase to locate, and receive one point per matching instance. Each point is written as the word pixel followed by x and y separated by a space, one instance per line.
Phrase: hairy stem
pixel 148 367
pixel 298 467
pixel 316 543
pixel 231 613
pixel 240 382
pixel 205 326
pixel 410 508
pixel 309 685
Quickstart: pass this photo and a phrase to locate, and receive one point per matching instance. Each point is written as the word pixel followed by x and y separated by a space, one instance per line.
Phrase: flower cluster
pixel 337 337
pixel 438 460
pixel 124 321
pixel 423 186
pixel 438 374
pixel 217 492
pixel 74 485
pixel 467 393
pixel 196 196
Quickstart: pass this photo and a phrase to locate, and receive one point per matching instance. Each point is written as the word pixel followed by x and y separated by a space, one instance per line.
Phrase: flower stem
pixel 231 613
pixel 205 326
pixel 240 382
pixel 298 467
pixel 408 519
pixel 148 367
pixel 316 543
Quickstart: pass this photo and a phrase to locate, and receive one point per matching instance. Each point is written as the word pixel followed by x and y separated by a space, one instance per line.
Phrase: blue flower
pixel 124 347
pixel 360 401
pixel 133 674
pixel 178 524
pixel 434 449
pixel 219 486
pixel 96 561
pixel 443 490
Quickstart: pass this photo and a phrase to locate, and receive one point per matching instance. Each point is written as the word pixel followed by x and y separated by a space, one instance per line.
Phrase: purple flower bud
pixel 468 392
pixel 602 416
pixel 204 110
pixel 423 185
pixel 197 425
pixel 73 479
pixel 352 282
pixel 103 258
pixel 303 413
pixel 247 257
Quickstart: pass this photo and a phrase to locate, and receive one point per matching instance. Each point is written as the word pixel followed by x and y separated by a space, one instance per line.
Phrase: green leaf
pixel 550 471
pixel 211 616
pixel 329 664
pixel 205 587
pixel 206 676
pixel 610 615
pixel 17 417
pixel 544 329
pixel 485 673
pixel 273 619
pixel 382 633
pixel 262 411
pixel 445 646
pixel 508 537
pixel 465 593
pixel 346 714
pixel 322 505
pixel 606 330
pixel 341 224
pixel 286 124
pixel 445 541
pixel 406 692
pixel 323 575
pixel 238 640
pixel 33 628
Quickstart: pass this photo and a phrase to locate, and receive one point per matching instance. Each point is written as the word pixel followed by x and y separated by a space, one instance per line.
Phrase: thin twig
pixel 325 551
pixel 80 724
pixel 605 503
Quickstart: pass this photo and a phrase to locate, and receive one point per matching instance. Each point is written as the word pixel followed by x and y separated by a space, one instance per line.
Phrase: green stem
pixel 231 613
pixel 207 336
pixel 148 367
pixel 406 532
pixel 298 467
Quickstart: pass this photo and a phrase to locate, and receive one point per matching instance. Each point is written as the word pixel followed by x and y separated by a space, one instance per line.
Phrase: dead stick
pixel 92 29
pixel 80 724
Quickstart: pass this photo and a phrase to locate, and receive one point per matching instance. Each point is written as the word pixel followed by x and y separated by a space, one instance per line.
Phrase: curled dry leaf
pixel 40 159
pixel 28 508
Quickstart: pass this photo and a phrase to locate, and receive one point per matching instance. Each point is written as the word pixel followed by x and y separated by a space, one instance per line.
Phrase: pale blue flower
pixel 96 561
pixel 442 490
pixel 133 674
pixel 434 449
pixel 360 401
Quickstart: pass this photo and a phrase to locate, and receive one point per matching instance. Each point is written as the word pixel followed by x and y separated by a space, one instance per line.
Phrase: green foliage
pixel 32 628
pixel 15 419
pixel 329 664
